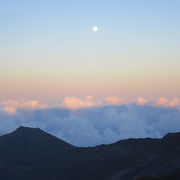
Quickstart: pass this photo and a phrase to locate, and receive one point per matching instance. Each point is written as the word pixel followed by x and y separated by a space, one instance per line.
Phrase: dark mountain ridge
pixel 32 154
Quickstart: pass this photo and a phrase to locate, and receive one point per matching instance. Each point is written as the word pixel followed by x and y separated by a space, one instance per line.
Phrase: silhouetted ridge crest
pixel 33 140
pixel 28 130
pixel 172 135
pixel 30 153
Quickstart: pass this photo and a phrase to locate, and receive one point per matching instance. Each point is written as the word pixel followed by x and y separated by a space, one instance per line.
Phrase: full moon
pixel 95 28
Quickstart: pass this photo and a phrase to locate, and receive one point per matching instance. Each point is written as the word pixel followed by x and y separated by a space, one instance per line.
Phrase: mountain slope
pixel 27 150
pixel 30 153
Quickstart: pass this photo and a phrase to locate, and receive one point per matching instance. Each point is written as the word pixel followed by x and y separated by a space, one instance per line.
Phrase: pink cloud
pixel 141 101
pixel 12 106
pixel 166 103
pixel 31 104
pixel 76 103
pixel 174 102
pixel 10 109
pixel 114 100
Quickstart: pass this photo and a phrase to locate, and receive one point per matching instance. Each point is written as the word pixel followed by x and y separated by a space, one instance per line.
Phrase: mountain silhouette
pixel 32 154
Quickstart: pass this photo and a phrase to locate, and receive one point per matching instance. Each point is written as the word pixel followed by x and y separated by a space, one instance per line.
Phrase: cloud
pixel 141 101
pixel 167 103
pixel 174 102
pixel 11 106
pixel 77 103
pixel 114 100
pixel 96 125
pixel 10 109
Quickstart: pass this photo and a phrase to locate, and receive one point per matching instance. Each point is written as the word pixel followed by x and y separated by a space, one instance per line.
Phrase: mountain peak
pixel 23 128
pixel 34 139
pixel 28 131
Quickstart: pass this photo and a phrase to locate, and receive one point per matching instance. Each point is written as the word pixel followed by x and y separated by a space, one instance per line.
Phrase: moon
pixel 95 28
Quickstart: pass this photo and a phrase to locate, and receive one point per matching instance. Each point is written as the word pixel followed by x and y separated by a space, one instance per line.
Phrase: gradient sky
pixel 48 49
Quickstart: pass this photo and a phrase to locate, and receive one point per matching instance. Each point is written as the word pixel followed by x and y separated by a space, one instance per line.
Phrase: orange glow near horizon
pixel 101 82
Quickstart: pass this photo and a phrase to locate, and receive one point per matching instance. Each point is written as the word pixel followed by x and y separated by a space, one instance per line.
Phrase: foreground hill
pixel 32 154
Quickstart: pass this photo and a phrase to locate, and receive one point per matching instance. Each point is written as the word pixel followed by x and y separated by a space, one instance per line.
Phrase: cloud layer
pixel 77 103
pixel 11 106
pixel 114 100
pixel 96 124
pixel 167 103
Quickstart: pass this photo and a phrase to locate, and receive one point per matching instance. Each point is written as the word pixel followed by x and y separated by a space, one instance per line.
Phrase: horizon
pixel 27 127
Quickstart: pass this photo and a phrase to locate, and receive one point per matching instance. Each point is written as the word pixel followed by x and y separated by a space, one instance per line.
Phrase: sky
pixel 85 87
pixel 48 50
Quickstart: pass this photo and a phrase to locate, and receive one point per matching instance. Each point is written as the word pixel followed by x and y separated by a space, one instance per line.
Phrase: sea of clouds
pixel 93 125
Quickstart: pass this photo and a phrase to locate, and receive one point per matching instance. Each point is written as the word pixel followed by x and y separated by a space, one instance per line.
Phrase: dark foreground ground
pixel 32 154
